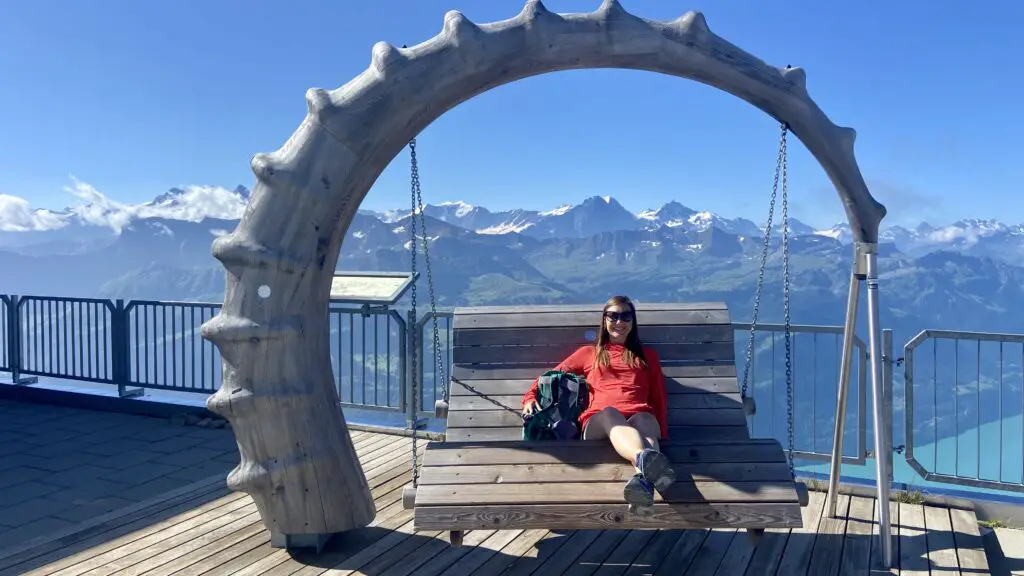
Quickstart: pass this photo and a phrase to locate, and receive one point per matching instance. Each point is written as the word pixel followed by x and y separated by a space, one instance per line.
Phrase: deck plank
pixel 711 553
pixel 652 556
pixel 942 559
pixel 856 559
pixel 223 535
pixel 970 549
pixel 828 541
pixel 913 541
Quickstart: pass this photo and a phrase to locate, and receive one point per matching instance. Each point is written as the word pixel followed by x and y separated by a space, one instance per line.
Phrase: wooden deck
pixel 208 530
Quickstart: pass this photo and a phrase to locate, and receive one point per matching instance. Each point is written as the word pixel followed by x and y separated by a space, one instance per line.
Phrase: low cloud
pixel 192 203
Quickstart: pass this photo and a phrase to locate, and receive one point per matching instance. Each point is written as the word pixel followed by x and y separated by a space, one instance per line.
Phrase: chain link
pixel 430 277
pixel 785 300
pixel 416 202
pixel 764 260
pixel 414 352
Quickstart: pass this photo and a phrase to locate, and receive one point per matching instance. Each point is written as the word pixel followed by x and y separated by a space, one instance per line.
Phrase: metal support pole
pixel 849 332
pixel 881 430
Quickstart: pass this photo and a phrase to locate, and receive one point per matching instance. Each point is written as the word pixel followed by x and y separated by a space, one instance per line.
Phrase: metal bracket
pixel 860 261
pixel 898 362
pixel 367 310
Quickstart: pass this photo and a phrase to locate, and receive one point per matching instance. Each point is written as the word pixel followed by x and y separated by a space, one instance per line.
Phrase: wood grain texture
pixel 582 335
pixel 597 492
pixel 451 453
pixel 606 516
pixel 505 474
pixel 671 369
pixel 724 386
pixel 516 433
pixel 703 400
pixel 588 319
pixel 500 418
pixel 553 354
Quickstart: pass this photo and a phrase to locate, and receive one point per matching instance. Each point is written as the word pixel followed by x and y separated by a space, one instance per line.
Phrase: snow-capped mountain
pixel 98 221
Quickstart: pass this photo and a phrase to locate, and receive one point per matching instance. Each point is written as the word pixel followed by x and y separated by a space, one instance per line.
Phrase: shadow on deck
pixel 202 528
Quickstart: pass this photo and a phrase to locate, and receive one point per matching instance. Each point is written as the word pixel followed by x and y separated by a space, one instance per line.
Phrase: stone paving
pixel 61 466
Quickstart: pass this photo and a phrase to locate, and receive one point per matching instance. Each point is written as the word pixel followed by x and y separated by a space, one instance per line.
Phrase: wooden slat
pixel 828 545
pixel 583 335
pixel 913 541
pixel 970 549
pixel 516 433
pixel 797 554
pixel 588 318
pixel 605 472
pixel 723 385
pixel 553 354
pixel 676 417
pixel 709 555
pixel 941 548
pixel 608 516
pixel 514 402
pixel 640 306
pixel 591 452
pixel 668 368
pixel 856 560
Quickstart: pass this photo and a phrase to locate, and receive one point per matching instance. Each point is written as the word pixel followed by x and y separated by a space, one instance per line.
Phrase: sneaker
pixel 656 469
pixel 638 492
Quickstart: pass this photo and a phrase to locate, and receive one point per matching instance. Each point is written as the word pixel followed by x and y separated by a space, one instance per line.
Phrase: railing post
pixel 14 347
pixel 411 370
pixel 120 350
pixel 882 438
pixel 887 385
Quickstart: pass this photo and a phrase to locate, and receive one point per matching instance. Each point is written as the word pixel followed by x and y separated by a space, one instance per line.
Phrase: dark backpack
pixel 561 398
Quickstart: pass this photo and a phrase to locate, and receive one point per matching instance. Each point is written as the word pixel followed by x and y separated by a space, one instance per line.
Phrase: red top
pixel 630 390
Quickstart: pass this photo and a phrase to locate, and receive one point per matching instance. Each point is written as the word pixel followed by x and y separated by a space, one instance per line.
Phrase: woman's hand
pixel 530 407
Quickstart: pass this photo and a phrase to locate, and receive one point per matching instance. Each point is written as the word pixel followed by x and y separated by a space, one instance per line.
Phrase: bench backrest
pixel 499 350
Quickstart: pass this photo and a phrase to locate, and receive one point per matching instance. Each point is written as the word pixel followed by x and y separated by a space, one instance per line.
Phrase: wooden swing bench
pixel 484 476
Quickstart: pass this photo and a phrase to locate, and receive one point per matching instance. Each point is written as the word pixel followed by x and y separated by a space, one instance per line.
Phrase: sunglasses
pixel 616 316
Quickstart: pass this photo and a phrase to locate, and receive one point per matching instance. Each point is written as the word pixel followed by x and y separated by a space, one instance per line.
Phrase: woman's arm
pixel 575 363
pixel 656 395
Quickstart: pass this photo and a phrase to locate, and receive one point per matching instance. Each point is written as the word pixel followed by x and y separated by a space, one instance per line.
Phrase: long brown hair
pixel 633 355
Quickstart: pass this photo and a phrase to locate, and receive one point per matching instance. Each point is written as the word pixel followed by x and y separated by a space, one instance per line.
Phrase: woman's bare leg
pixel 636 440
pixel 611 424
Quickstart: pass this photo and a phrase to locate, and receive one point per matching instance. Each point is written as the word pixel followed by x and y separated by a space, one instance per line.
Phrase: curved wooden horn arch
pixel 297 461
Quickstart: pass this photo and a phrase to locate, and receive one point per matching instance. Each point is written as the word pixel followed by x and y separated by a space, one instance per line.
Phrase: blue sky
pixel 137 97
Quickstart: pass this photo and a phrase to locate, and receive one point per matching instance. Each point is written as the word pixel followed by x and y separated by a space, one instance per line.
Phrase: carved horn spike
pixel 796 75
pixel 456 24
pixel 263 165
pixel 847 137
pixel 385 54
pixel 534 9
pixel 318 102
pixel 610 8
pixel 693 22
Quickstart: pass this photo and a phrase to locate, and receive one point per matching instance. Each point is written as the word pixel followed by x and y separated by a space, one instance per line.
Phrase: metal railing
pixel 148 344
pixel 963 392
pixel 816 352
pixel 968 436
pixel 5 337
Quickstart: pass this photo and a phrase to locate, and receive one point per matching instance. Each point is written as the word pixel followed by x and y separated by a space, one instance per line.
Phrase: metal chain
pixel 430 278
pixel 785 301
pixel 764 259
pixel 416 202
pixel 414 353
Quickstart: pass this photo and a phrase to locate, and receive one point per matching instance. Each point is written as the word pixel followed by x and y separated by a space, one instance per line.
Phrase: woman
pixel 627 399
